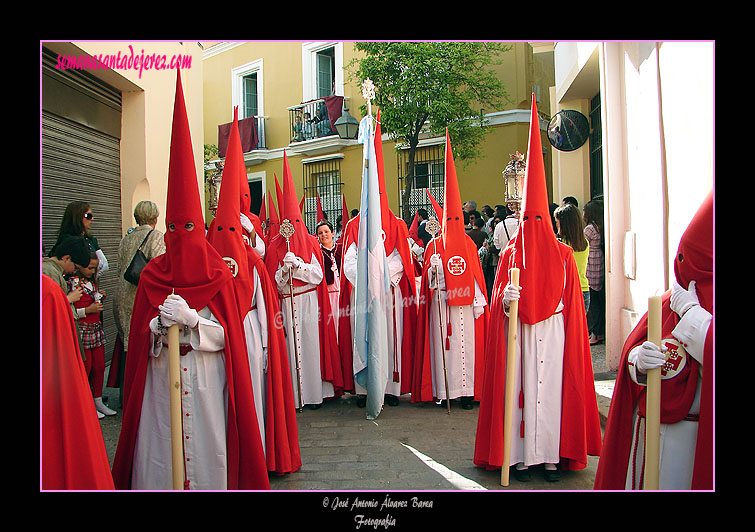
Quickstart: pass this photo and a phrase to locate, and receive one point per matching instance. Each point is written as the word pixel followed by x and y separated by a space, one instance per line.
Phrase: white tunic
pixel 542 374
pixel 392 312
pixel 305 331
pixel 204 407
pixel 255 332
pixel 460 357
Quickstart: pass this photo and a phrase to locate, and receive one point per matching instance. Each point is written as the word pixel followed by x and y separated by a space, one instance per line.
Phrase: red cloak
pixel 580 423
pixel 73 451
pixel 281 432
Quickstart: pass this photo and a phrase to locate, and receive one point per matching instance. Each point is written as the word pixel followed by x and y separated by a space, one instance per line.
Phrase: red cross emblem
pixel 676 358
pixel 456 265
pixel 232 265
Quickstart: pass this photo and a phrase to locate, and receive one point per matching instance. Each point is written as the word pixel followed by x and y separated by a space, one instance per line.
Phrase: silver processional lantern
pixel 513 177
pixel 213 185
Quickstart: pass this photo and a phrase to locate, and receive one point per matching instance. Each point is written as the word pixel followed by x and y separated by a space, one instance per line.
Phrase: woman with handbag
pixel 140 245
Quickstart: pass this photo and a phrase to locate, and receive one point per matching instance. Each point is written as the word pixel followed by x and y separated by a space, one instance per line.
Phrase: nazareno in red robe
pixel 194 270
pixel 422 389
pixel 580 423
pixel 694 262
pixel 73 450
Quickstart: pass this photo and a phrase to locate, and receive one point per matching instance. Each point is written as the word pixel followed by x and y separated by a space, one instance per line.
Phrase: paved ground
pixel 410 447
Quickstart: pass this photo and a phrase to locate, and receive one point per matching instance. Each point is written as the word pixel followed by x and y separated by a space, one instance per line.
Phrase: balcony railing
pixel 310 120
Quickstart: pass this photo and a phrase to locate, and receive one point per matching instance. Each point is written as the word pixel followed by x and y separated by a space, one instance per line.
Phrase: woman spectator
pixel 596 314
pixel 151 241
pixel 570 231
pixel 77 221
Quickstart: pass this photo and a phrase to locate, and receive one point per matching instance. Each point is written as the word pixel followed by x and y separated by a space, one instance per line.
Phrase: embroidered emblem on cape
pixel 676 358
pixel 232 265
pixel 456 265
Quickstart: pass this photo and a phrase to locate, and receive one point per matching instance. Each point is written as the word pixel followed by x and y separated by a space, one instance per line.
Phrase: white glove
pixel 649 356
pixel 510 293
pixel 175 309
pixel 290 261
pixel 682 300
pixel 435 260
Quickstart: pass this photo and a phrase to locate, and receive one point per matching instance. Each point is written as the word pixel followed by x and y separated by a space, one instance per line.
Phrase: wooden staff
pixel 176 425
pixel 287 230
pixel 508 402
pixel 433 227
pixel 653 402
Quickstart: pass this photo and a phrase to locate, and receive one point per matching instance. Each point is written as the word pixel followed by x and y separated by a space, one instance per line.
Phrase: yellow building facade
pixel 284 81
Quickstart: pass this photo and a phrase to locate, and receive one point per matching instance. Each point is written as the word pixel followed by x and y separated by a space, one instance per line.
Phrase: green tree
pixel 431 86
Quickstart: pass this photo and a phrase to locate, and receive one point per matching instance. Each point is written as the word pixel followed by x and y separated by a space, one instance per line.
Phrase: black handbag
pixel 138 263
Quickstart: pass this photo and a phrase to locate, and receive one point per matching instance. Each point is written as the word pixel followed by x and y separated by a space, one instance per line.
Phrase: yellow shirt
pixel 580 257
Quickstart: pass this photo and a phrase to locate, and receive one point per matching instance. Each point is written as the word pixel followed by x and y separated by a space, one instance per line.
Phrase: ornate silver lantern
pixel 213 186
pixel 513 177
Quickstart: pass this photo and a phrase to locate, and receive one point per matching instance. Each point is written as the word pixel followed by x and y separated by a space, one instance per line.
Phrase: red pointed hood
pixel 694 258
pixel 458 271
pixel 414 228
pixel 389 220
pixel 263 214
pixel 536 250
pixel 225 235
pixel 274 219
pixel 437 209
pixel 320 213
pixel 301 244
pixel 189 265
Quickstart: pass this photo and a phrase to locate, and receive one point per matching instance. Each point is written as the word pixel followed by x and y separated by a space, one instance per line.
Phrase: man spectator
pixel 477 235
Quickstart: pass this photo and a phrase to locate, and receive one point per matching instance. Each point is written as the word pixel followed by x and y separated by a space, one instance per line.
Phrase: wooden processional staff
pixel 287 231
pixel 653 402
pixel 176 424
pixel 433 228
pixel 508 402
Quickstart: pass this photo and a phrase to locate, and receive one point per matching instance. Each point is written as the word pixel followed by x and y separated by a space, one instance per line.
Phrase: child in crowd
pixel 89 317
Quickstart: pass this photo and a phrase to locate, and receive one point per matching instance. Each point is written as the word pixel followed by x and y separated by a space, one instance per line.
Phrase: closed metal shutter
pixel 81 162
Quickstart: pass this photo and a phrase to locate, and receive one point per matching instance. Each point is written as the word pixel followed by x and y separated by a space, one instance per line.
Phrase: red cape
pixel 422 384
pixel 678 394
pixel 580 423
pixel 329 362
pixel 73 451
pixel 281 431
pixel 408 293
pixel 246 463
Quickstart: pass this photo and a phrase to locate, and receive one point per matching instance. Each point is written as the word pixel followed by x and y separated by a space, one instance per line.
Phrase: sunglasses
pixel 89 216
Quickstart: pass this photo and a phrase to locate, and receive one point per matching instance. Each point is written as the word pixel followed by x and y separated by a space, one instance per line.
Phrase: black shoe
pixel 314 406
pixel 552 475
pixel 522 475
pixel 442 403
pixel 362 401
pixel 391 400
pixel 466 403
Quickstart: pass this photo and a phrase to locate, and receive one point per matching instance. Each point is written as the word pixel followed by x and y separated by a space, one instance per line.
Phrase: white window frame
pixel 309 67
pixel 237 86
